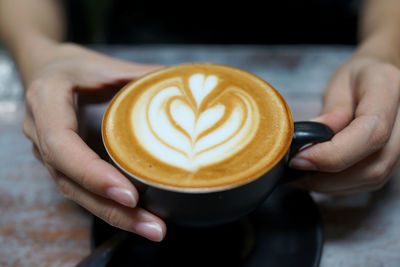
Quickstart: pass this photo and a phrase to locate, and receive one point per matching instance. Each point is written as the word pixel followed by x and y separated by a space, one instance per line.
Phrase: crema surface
pixel 197 126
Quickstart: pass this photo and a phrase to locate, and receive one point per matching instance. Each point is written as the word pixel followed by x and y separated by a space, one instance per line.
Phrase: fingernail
pixel 122 196
pixel 150 230
pixel 302 164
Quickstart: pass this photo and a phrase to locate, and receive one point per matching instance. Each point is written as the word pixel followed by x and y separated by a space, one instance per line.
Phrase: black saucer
pixel 285 231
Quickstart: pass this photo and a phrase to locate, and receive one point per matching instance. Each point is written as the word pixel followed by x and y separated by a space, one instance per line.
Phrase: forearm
pixel 29 28
pixel 379 29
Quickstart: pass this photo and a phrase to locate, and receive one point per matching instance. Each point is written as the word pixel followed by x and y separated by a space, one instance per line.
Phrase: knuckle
pixel 379 76
pixel 85 178
pixel 388 71
pixel 344 114
pixel 379 173
pixel 48 143
pixel 46 153
pixel 111 216
pixel 381 132
pixel 27 129
pixel 65 188
pixel 36 153
pixel 335 162
pixel 383 71
pixel 33 92
pixel 31 96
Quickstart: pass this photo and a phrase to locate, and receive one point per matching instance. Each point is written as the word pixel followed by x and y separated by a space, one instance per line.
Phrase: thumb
pixel 102 79
pixel 126 71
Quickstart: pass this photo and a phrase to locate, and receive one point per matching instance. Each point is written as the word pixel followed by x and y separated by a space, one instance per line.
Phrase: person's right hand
pixel 51 123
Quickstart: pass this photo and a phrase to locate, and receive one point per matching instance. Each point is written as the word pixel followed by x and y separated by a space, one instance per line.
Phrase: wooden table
pixel 38 227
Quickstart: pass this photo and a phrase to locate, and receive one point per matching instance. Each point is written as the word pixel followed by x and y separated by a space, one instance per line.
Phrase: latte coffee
pixel 197 126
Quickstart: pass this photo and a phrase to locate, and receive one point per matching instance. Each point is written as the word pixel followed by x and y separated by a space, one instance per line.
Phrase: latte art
pixel 178 123
pixel 197 126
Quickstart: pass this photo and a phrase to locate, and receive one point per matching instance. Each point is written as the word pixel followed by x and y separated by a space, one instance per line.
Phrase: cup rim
pixel 210 189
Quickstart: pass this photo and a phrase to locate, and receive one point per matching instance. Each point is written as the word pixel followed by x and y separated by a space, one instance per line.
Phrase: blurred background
pixel 214 22
pixel 92 22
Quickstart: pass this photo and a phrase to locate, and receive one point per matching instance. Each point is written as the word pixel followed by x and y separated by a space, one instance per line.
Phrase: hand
pixel 51 123
pixel 361 105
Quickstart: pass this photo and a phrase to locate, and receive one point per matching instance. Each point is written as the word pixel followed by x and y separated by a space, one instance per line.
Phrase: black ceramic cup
pixel 212 206
pixel 191 208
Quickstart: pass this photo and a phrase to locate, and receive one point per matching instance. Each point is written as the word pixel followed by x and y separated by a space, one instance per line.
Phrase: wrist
pixel 383 44
pixel 32 51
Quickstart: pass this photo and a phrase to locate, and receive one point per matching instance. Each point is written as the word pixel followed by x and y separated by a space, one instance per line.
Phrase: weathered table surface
pixel 38 227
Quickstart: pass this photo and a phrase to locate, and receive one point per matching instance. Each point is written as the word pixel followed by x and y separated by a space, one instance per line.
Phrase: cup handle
pixel 305 133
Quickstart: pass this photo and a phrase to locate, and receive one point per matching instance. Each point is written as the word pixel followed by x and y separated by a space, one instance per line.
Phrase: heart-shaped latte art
pixel 185 118
pixel 196 125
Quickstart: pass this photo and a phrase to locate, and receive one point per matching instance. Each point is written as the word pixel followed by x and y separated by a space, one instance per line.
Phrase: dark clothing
pixel 251 22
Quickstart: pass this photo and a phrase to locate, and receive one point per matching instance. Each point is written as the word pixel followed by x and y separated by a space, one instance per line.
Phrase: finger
pixel 362 177
pixel 341 192
pixel 110 72
pixel 105 68
pixel 105 81
pixel 30 132
pixel 369 174
pixel 337 111
pixel 338 103
pixel 126 69
pixel 375 115
pixel 135 220
pixel 62 148
pixel 36 153
pixel 122 66
pixel 28 127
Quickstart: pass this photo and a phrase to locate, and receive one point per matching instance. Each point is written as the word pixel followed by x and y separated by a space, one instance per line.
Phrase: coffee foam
pixel 198 125
pixel 182 127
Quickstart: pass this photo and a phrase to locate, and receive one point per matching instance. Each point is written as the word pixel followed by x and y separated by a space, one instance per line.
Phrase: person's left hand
pixel 361 105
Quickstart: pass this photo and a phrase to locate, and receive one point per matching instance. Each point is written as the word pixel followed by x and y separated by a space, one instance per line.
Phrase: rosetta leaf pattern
pixel 184 127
